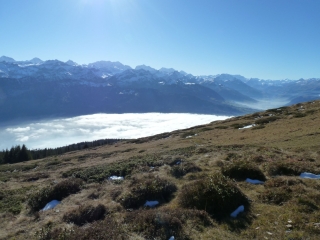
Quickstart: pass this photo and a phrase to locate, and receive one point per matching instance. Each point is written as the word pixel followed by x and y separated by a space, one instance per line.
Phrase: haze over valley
pixel 36 92
pixel 66 131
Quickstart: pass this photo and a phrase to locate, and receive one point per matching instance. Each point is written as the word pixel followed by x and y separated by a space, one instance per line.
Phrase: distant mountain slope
pixel 36 88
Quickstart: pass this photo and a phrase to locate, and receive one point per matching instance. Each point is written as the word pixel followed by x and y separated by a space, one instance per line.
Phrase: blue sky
pixel 269 39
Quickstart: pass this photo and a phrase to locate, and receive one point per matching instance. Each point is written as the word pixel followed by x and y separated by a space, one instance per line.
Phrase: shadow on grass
pixel 241 222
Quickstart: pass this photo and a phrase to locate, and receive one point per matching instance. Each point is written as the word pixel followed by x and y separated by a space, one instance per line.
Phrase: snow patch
pixel 254 181
pixel 51 205
pixel 249 126
pixel 151 203
pixel 309 175
pixel 237 211
pixel 115 178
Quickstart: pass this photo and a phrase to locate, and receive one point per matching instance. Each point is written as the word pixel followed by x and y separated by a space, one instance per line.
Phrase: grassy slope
pixel 285 207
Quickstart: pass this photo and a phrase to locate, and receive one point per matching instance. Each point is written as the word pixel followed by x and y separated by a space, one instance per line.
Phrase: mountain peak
pixel 6 59
pixel 147 68
pixel 36 60
pixel 167 70
pixel 71 63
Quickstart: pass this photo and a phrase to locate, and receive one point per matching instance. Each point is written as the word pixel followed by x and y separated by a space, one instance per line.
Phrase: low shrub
pixel 299 115
pixel 258 127
pixel 231 156
pixel 85 214
pixel 186 134
pixel 35 177
pixel 266 120
pixel 205 129
pixel 103 172
pixel 221 127
pixel 164 223
pixel 216 194
pixel 182 169
pixel 276 195
pixel 56 192
pixel 240 125
pixel 52 163
pixel 281 181
pixel 17 167
pixel 102 230
pixel 12 200
pixel 307 205
pixel 149 188
pixel 241 170
pixel 281 189
pixel 290 168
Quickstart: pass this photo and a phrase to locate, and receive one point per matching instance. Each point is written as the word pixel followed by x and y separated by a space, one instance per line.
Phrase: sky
pixel 268 39
pixel 61 132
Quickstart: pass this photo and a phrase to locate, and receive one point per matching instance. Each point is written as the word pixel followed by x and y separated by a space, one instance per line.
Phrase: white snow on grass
pixel 309 175
pixel 151 203
pixel 115 178
pixel 51 205
pixel 249 126
pixel 237 211
pixel 254 181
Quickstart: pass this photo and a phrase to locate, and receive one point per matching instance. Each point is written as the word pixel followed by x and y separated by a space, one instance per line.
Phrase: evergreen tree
pixel 24 154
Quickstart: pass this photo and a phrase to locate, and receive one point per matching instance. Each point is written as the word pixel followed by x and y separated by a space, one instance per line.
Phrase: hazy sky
pixel 65 131
pixel 270 39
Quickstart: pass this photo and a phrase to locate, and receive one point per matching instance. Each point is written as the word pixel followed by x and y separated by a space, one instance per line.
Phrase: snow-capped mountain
pixel 36 88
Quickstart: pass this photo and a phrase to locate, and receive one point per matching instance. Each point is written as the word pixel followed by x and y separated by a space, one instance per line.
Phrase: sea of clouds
pixel 64 131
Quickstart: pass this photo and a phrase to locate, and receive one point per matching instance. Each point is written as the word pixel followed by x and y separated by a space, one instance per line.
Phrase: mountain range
pixel 36 89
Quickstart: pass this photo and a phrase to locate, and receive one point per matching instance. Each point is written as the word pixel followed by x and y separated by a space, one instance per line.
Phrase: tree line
pixel 22 153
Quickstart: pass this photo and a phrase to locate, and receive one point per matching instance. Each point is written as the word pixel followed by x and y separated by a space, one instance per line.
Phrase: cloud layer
pixel 61 132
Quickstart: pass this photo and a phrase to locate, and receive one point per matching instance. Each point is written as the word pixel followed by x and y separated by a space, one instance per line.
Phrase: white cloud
pixel 61 132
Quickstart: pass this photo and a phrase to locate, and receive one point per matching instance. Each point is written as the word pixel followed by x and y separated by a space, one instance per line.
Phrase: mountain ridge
pixel 112 87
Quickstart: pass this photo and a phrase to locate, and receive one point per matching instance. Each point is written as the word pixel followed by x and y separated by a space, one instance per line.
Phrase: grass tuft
pixel 85 214
pixel 216 194
pixel 241 170
pixel 149 188
pixel 57 192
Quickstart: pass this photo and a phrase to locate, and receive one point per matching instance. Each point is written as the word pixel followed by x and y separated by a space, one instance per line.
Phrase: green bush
pixel 216 194
pixel 85 214
pixel 149 188
pixel 57 192
pixel 241 170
